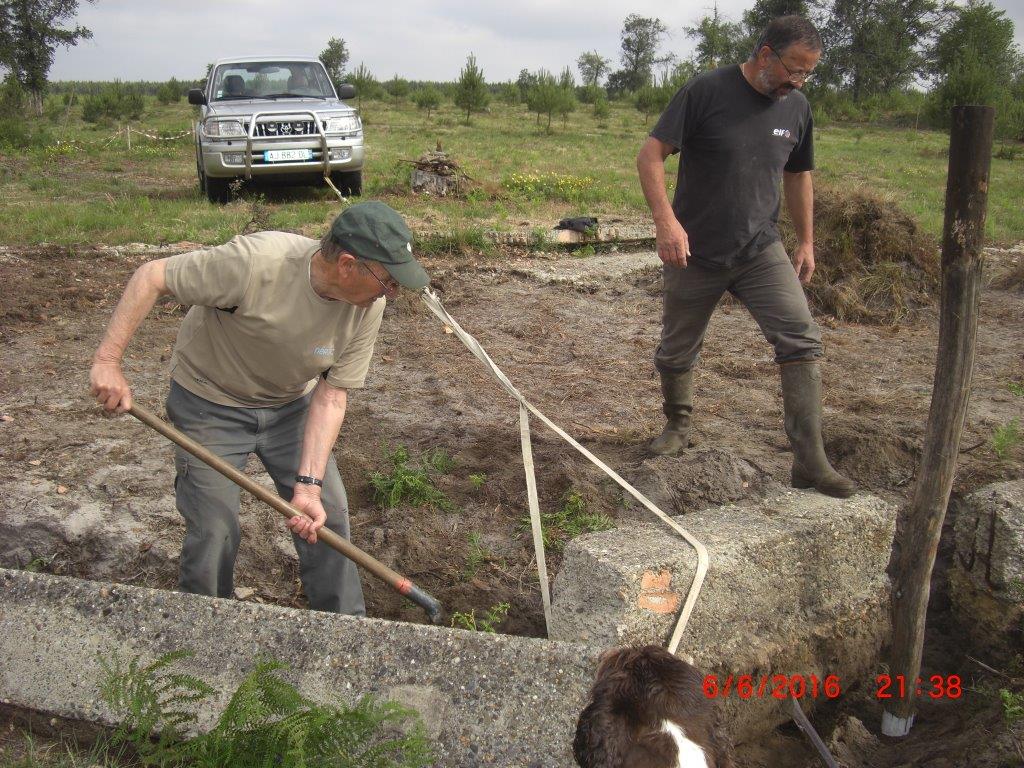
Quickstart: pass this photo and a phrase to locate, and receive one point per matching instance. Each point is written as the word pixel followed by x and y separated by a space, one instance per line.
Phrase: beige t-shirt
pixel 257 334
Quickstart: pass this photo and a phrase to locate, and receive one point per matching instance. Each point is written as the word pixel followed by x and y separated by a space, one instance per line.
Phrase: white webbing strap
pixel 535 524
pixel 435 306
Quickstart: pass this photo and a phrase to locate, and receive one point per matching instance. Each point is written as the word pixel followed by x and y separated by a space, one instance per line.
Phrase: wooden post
pixel 970 154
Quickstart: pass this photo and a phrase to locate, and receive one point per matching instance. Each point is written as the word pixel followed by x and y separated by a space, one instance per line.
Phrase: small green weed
pixel 39 564
pixel 411 485
pixel 1016 387
pixel 477 481
pixel 1013 705
pixel 476 556
pixel 487 623
pixel 439 460
pixel 568 522
pixel 1005 438
pixel 267 722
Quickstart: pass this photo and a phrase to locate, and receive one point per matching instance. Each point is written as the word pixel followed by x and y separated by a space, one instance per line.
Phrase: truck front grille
pixel 286 128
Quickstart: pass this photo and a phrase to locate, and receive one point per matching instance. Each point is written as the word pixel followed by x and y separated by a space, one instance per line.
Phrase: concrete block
pixel 987 577
pixel 486 699
pixel 797 586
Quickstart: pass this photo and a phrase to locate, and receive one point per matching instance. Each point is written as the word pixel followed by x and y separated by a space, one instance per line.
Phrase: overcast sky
pixel 416 39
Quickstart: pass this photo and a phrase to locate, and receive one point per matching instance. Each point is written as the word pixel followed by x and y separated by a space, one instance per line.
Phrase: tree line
pixel 931 52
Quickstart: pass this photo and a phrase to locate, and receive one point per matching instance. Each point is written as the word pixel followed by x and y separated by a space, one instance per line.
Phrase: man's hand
pixel 307 499
pixel 673 243
pixel 803 262
pixel 110 388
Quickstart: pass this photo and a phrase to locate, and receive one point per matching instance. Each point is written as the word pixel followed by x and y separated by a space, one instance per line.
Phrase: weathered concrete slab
pixel 797 586
pixel 485 699
pixel 589 271
pixel 987 577
pixel 618 232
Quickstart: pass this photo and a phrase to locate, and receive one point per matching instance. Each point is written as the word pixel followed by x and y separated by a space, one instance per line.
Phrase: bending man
pixel 280 329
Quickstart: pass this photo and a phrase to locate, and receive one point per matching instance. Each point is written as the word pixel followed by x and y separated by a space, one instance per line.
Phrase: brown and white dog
pixel 648 710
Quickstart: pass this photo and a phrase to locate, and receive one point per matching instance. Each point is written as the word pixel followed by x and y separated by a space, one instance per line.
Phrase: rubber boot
pixel 677 389
pixel 801 400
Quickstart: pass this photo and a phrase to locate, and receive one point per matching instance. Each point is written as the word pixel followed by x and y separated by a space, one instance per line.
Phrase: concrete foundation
pixel 987 577
pixel 485 699
pixel 797 586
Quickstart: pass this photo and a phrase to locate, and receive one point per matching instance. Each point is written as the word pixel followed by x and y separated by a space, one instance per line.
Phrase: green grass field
pixel 525 177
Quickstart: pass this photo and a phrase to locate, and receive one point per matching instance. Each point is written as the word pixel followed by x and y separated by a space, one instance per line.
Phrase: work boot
pixel 677 389
pixel 801 399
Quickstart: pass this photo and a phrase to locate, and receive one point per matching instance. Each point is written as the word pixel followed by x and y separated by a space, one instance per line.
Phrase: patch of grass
pixel 408 485
pixel 569 521
pixel 1016 387
pixel 1005 438
pixel 487 623
pixel 477 481
pixel 155 199
pixel 266 722
pixel 455 242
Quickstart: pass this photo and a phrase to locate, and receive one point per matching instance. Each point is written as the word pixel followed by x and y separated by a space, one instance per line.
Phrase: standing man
pixel 281 328
pixel 740 131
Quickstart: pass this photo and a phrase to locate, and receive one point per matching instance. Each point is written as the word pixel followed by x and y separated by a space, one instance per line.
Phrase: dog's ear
pixel 653 750
pixel 601 737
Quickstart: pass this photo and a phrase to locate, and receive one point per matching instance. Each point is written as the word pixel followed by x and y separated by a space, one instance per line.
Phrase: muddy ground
pixel 90 496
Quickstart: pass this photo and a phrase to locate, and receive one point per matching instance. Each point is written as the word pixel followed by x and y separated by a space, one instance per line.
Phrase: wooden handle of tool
pixel 398 582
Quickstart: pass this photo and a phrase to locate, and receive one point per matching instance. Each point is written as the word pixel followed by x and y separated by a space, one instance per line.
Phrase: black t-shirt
pixel 735 143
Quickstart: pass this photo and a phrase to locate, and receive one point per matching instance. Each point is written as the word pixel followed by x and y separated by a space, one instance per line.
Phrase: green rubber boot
pixel 801 399
pixel 677 390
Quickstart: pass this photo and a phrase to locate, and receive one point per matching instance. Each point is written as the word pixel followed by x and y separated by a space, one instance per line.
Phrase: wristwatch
pixel 307 480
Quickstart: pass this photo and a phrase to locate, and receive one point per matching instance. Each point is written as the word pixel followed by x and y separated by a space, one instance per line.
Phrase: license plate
pixel 284 155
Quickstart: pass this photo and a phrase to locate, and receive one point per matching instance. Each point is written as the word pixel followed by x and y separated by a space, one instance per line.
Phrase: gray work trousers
pixel 768 287
pixel 209 502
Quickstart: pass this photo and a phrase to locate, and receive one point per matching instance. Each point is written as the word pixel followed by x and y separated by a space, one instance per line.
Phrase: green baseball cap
pixel 376 231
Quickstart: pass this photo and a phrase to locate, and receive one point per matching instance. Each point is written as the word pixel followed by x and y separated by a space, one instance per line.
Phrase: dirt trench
pixel 91 496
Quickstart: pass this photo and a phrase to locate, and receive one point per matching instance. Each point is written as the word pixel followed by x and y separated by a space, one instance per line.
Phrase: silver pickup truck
pixel 275 118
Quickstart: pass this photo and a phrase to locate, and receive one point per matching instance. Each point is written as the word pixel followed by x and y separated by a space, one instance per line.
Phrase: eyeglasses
pixel 799 76
pixel 390 287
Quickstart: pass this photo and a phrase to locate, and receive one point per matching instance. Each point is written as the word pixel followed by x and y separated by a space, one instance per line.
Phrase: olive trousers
pixel 210 502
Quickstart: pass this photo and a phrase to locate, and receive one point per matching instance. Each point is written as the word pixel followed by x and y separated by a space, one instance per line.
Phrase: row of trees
pixel 873 49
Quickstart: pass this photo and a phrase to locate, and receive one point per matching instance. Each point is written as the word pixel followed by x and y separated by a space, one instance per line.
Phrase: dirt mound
pixel 874 264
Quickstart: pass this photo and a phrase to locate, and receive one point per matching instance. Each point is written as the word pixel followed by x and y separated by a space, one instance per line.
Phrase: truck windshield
pixel 270 80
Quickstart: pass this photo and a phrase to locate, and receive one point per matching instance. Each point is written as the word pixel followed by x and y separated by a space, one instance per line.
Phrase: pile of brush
pixel 435 173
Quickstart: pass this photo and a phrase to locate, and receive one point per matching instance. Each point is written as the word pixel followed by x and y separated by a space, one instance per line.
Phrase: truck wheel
pixel 217 190
pixel 349 183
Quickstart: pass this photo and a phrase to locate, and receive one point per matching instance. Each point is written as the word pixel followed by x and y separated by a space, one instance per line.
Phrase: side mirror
pixel 346 91
pixel 196 96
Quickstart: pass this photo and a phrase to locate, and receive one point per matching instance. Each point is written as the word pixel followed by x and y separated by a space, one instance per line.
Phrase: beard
pixel 776 89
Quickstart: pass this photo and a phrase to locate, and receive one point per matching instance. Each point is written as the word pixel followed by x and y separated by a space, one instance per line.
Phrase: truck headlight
pixel 347 124
pixel 224 128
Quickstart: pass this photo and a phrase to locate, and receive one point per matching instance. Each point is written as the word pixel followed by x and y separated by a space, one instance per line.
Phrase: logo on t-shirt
pixel 323 351
pixel 784 132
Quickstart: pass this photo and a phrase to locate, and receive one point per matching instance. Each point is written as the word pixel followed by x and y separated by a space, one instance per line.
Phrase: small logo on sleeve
pixel 783 132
